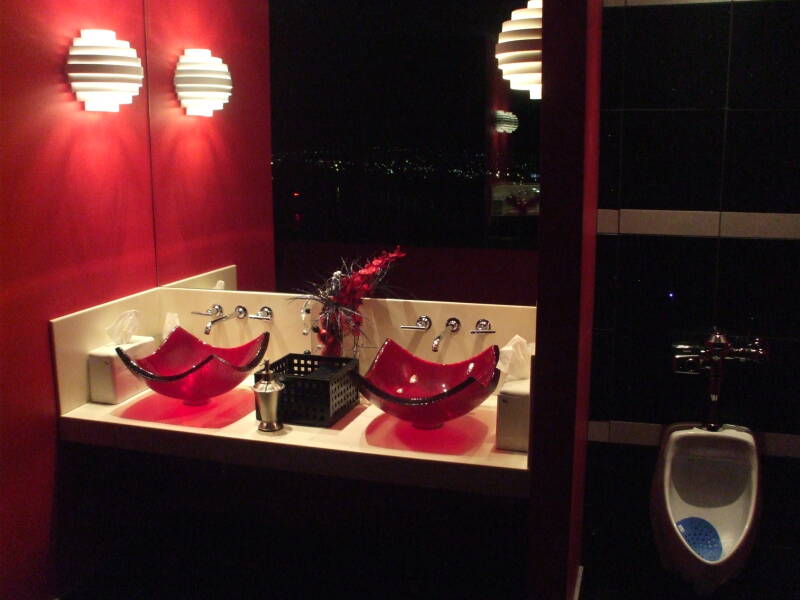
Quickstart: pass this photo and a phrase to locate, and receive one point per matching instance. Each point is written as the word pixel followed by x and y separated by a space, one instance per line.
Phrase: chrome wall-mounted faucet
pixel 423 324
pixel 452 324
pixel 240 312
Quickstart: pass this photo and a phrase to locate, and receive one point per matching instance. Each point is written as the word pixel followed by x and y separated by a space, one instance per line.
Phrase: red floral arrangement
pixel 341 296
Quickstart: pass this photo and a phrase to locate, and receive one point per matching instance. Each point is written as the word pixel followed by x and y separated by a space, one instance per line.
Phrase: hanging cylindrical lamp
pixel 519 49
pixel 202 82
pixel 103 71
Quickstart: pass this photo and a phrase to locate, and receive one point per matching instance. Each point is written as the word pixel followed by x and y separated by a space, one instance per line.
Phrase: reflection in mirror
pixel 387 129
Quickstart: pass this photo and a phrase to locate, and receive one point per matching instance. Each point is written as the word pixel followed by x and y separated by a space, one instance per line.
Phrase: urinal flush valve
pixel 710 358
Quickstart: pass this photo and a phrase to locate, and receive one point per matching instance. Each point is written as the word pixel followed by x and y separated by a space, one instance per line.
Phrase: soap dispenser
pixel 267 391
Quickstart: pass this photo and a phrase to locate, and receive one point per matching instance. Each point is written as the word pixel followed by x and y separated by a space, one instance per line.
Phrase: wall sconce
pixel 103 71
pixel 202 82
pixel 505 122
pixel 519 49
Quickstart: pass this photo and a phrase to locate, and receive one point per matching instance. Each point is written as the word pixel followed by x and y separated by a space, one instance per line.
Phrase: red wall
pixel 481 275
pixel 212 178
pixel 77 216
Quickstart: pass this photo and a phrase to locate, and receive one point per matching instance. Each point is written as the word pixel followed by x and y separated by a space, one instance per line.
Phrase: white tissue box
pixel 513 415
pixel 110 381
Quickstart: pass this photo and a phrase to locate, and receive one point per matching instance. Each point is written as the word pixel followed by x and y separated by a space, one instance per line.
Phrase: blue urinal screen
pixel 702 537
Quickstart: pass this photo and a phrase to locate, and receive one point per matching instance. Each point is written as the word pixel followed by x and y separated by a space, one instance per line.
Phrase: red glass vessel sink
pixel 428 394
pixel 187 368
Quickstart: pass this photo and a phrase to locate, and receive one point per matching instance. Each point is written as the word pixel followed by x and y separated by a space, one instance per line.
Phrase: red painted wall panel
pixel 76 231
pixel 481 275
pixel 77 214
pixel 212 179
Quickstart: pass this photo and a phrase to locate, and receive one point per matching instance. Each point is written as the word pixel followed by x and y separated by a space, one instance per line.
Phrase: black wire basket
pixel 319 390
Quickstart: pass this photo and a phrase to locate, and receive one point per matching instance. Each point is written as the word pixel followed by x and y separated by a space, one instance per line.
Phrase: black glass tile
pixel 610 147
pixel 676 56
pixel 640 366
pixel 666 285
pixel 672 160
pixel 759 287
pixel 613 58
pixel 764 59
pixel 605 278
pixel 602 392
pixel 764 396
pixel 762 172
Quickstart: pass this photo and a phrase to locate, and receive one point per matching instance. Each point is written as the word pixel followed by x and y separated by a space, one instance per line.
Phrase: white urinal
pixel 704 502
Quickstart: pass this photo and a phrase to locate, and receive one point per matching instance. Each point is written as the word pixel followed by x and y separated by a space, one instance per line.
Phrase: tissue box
pixel 513 415
pixel 110 382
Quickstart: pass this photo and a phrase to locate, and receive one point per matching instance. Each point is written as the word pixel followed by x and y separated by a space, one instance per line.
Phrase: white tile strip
pixel 598 431
pixel 669 222
pixel 640 434
pixel 607 221
pixel 761 225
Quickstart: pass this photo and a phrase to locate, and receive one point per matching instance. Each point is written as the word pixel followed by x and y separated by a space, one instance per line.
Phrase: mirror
pixel 384 133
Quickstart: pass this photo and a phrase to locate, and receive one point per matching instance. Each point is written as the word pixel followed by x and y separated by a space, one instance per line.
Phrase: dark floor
pixel 153 528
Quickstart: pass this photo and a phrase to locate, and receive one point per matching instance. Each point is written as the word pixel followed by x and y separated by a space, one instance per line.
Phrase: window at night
pixel 385 126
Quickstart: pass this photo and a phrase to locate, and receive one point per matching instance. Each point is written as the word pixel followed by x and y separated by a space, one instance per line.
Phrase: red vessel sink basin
pixel 428 394
pixel 187 368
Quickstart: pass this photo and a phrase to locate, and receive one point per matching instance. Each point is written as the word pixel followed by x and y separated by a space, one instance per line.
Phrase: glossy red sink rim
pixel 187 368
pixel 426 393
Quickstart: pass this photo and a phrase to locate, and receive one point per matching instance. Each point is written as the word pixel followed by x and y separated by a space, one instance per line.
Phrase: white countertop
pixel 365 444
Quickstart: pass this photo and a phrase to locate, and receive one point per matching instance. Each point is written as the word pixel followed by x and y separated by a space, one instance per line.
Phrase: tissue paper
pixel 122 330
pixel 515 358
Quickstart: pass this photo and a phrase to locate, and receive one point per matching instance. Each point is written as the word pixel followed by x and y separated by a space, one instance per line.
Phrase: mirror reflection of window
pixel 385 130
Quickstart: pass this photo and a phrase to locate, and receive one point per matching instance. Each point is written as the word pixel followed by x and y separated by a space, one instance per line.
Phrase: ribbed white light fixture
pixel 505 122
pixel 202 82
pixel 103 71
pixel 519 49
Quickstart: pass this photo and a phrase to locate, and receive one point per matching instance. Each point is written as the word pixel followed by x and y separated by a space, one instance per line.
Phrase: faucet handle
pixel 453 324
pixel 423 324
pixel 483 326
pixel 264 314
pixel 212 311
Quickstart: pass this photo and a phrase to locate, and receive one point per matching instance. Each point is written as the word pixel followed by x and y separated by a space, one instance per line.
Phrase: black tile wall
pixel 666 284
pixel 762 168
pixel 672 159
pixel 764 59
pixel 699 111
pixel 675 56
pixel 610 154
pixel 759 287
pixel 613 58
